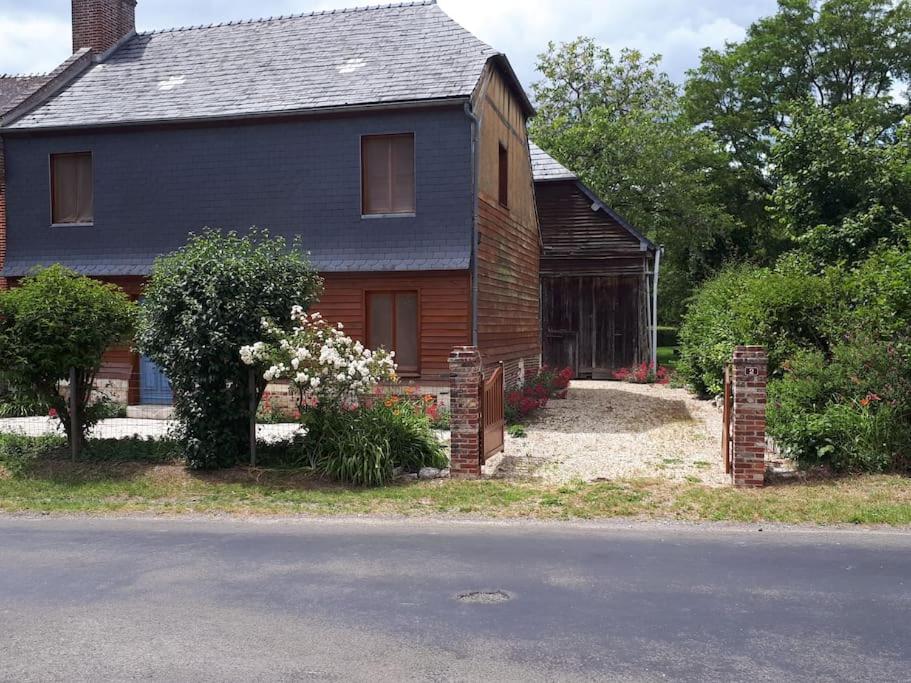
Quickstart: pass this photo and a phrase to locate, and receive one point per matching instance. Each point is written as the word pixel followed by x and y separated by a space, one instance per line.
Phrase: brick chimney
pixel 99 24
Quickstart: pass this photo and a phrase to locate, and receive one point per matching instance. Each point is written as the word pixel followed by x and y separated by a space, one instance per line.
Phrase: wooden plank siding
pixel 443 307
pixel 508 252
pixel 577 239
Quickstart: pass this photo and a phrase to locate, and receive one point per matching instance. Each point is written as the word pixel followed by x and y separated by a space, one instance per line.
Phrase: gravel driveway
pixel 612 430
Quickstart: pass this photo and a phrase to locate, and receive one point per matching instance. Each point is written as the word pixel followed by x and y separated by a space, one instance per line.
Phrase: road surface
pixel 199 600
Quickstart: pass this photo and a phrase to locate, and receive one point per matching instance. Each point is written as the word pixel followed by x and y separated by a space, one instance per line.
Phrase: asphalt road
pixel 199 600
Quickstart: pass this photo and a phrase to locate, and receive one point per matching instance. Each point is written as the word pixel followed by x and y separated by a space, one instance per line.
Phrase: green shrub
pixel 18 451
pixel 850 411
pixel 134 449
pixel 18 401
pixel 56 320
pixel 202 304
pixel 710 329
pixel 364 446
pixel 667 336
pixel 785 309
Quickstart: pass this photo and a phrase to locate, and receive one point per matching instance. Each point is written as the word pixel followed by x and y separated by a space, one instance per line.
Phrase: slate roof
pixel 544 167
pixel 341 58
pixel 14 89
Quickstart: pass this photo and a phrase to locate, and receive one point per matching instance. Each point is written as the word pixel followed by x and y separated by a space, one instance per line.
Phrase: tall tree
pixel 617 122
pixel 854 55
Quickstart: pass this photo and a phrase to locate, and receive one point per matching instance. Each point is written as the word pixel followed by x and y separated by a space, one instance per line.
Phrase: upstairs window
pixel 392 323
pixel 72 189
pixel 387 174
pixel 503 169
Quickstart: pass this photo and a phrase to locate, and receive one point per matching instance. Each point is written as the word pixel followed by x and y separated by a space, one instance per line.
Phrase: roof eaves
pixel 247 116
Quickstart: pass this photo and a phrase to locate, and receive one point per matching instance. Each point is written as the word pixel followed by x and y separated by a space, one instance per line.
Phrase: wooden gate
pixel 726 420
pixel 493 417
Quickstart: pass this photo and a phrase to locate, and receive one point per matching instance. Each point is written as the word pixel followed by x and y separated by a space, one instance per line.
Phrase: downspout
pixel 475 232
pixel 658 253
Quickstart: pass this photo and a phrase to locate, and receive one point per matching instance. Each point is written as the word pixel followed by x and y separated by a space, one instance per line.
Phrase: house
pixel 390 139
pixel 599 276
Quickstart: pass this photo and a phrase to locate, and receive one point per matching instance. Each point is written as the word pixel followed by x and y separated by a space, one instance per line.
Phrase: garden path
pixel 613 430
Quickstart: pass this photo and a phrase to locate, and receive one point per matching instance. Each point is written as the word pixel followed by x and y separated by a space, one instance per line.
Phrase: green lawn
pixel 667 356
pixel 59 486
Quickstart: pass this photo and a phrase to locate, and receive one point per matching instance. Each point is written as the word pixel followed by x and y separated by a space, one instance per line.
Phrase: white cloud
pixel 32 44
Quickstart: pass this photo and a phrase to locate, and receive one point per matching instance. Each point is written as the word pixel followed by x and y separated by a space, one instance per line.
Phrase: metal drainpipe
pixel 658 253
pixel 475 233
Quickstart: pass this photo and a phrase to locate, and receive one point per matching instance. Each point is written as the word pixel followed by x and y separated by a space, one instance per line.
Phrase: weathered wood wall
pixel 508 254
pixel 577 239
pixel 593 323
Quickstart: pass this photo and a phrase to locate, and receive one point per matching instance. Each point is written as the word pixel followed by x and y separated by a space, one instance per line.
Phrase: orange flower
pixel 409 391
pixel 429 398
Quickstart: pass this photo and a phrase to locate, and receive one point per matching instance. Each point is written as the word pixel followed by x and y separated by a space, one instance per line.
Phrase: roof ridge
pixel 301 15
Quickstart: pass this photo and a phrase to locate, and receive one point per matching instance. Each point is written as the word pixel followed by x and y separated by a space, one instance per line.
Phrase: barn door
pixel 560 319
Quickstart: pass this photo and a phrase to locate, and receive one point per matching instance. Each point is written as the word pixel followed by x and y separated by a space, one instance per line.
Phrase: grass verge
pixel 59 486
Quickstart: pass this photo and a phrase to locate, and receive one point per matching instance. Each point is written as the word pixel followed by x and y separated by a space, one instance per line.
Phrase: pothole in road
pixel 483 597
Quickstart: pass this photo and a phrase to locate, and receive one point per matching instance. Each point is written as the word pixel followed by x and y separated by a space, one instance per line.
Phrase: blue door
pixel 154 387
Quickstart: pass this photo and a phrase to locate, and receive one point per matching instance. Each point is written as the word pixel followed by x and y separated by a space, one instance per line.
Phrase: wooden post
pixel 74 417
pixel 251 381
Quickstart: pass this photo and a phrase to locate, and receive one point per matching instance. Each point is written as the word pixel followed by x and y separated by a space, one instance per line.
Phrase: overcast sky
pixel 35 34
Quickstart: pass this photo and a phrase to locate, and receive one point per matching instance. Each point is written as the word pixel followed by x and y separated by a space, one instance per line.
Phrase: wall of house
pixel 508 254
pixel 444 312
pixel 443 309
pixel 153 186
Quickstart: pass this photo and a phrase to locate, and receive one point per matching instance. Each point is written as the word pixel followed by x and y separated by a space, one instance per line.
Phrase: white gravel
pixel 614 430
pixel 125 428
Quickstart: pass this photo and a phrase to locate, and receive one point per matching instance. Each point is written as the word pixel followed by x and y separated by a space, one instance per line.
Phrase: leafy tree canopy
pixel 202 304
pixel 854 55
pixel 56 320
pixel 616 121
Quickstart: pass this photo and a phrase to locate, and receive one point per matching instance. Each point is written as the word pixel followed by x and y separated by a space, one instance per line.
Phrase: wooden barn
pixel 598 278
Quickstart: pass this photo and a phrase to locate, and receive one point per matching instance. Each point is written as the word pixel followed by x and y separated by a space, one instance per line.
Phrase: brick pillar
pixel 465 377
pixel 751 365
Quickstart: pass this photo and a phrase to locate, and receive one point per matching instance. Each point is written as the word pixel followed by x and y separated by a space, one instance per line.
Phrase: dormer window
pixel 387 175
pixel 72 189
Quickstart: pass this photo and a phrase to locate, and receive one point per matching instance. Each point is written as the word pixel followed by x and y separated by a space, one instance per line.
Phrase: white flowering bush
pixel 324 366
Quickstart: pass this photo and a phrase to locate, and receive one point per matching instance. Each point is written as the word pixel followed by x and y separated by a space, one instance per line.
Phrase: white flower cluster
pixel 319 360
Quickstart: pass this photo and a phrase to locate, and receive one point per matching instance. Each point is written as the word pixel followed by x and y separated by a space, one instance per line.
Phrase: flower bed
pixel 353 431
pixel 644 373
pixel 535 393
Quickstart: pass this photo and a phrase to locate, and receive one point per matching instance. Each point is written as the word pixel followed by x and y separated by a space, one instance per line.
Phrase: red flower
pixel 52 412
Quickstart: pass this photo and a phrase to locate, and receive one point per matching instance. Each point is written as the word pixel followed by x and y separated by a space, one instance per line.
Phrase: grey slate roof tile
pixel 545 167
pixel 14 89
pixel 375 55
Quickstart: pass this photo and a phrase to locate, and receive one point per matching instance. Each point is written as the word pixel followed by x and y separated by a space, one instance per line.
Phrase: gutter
pixel 237 118
pixel 658 252
pixel 475 231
